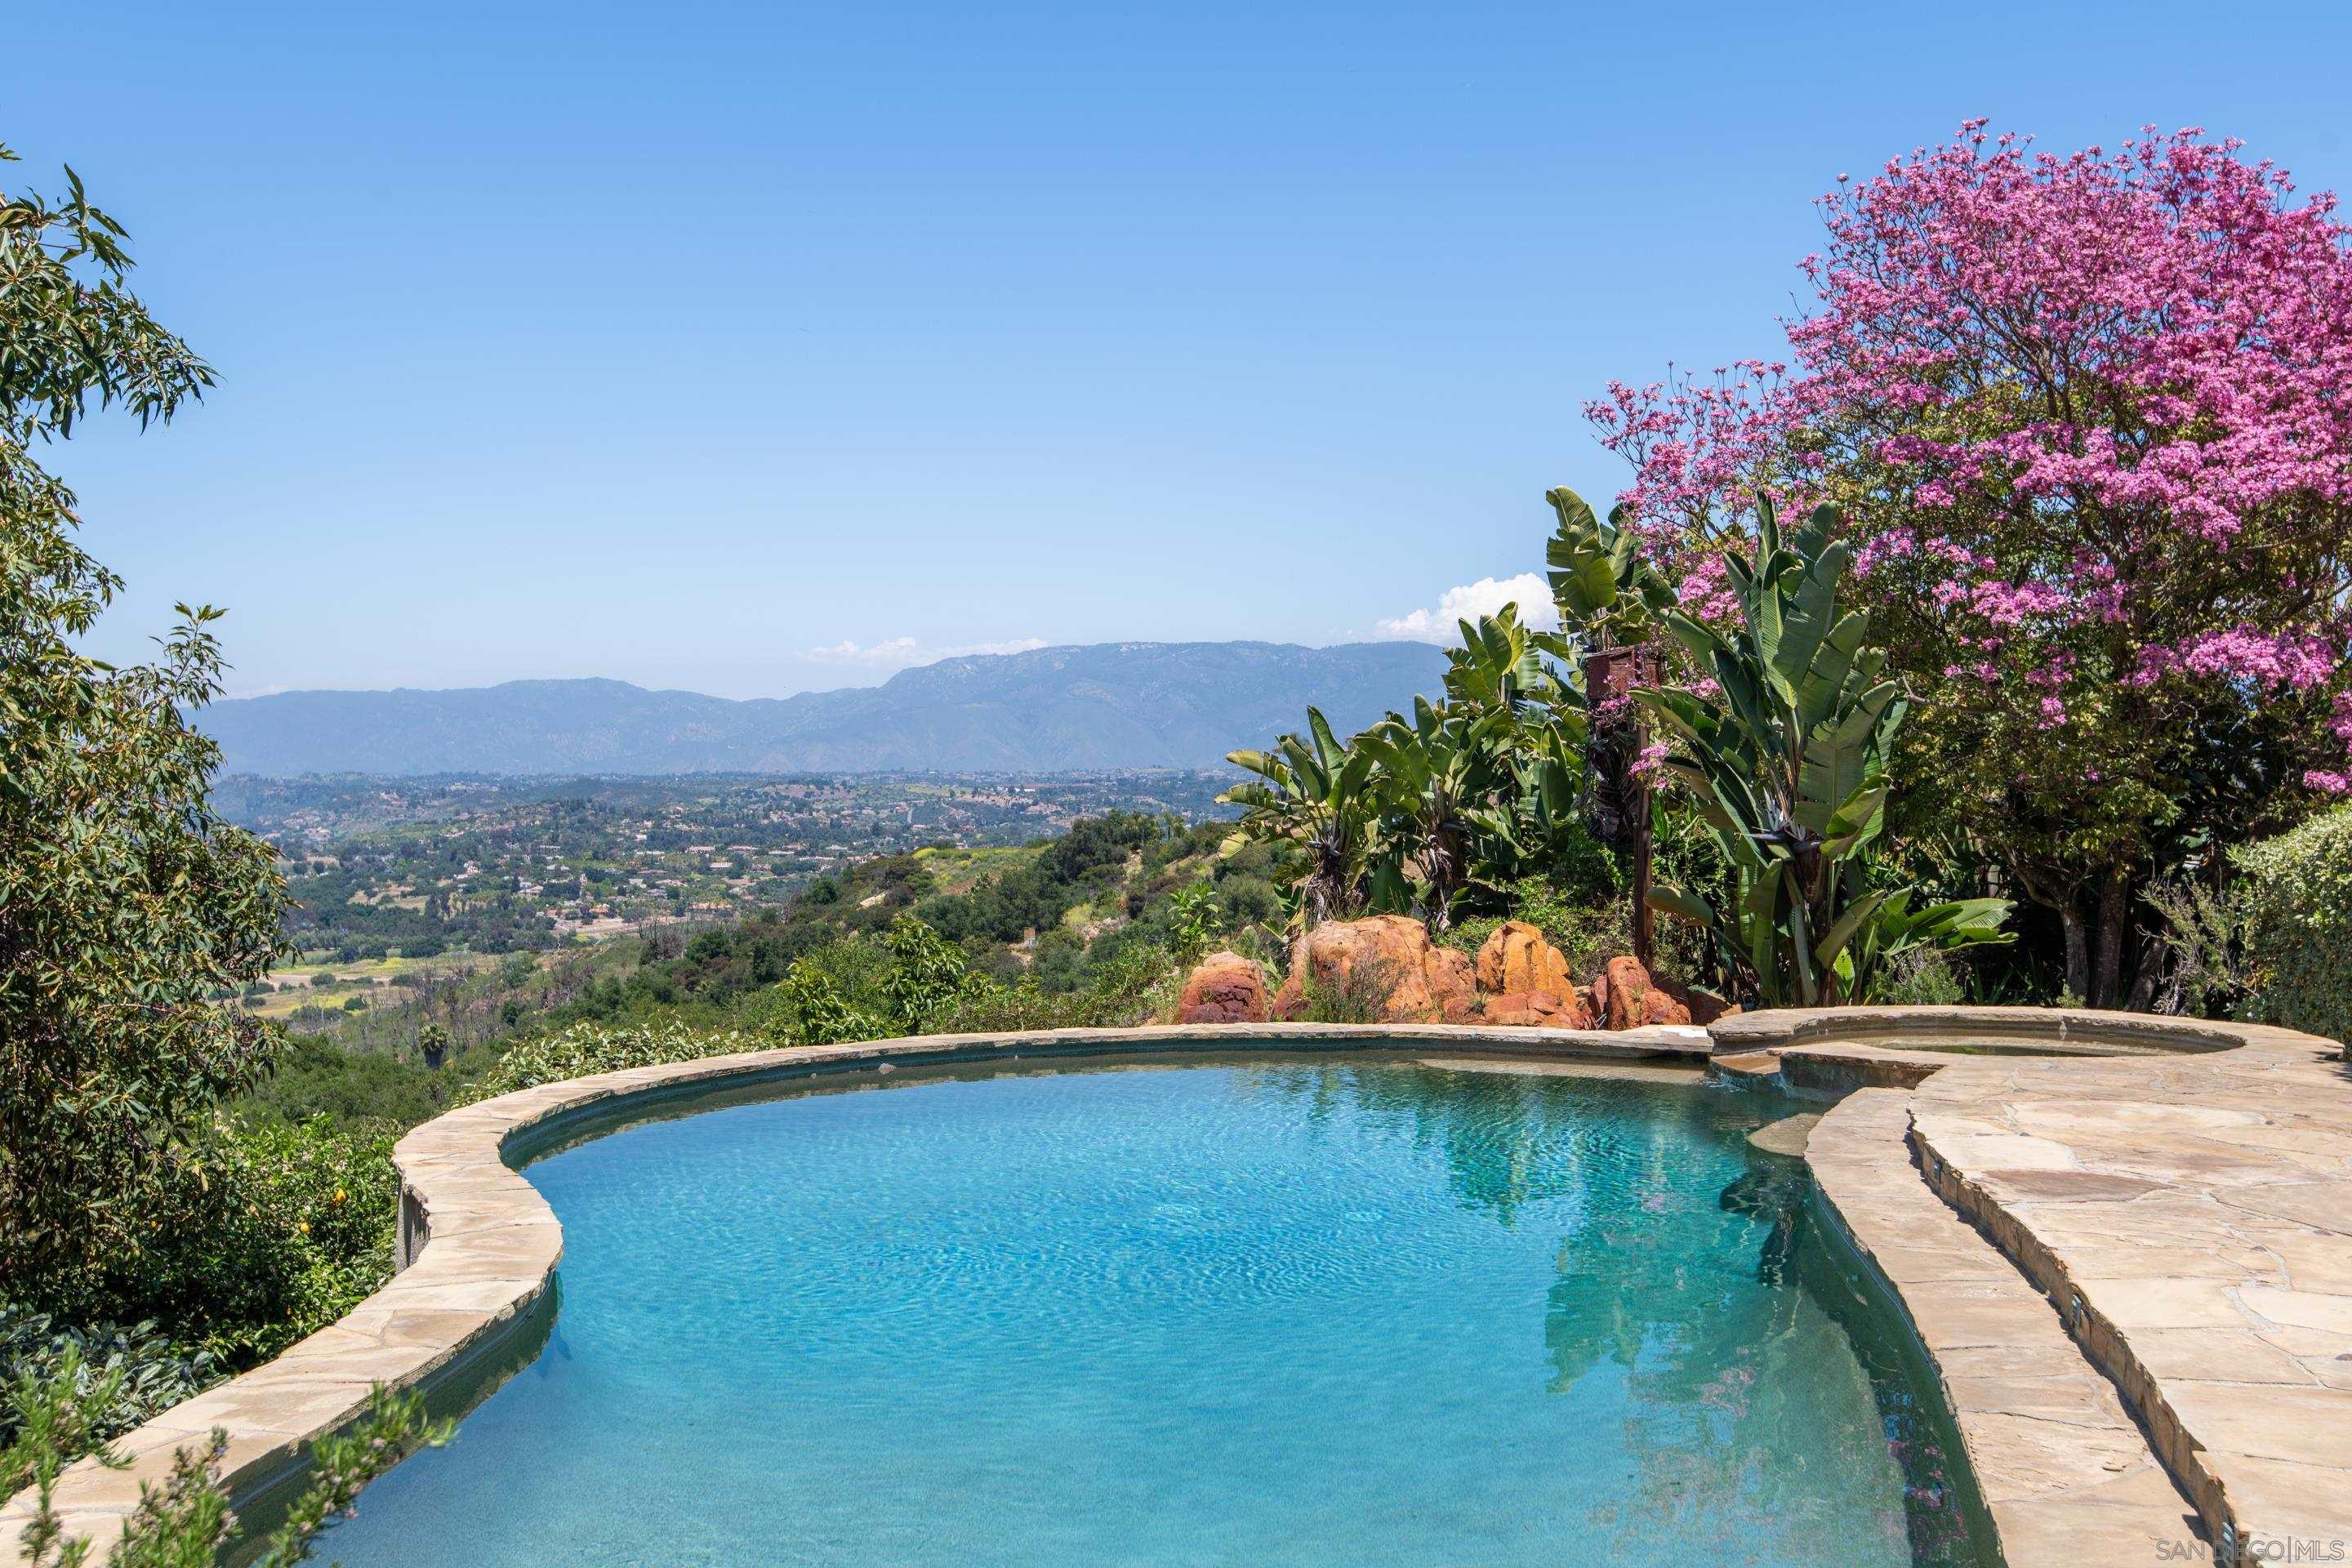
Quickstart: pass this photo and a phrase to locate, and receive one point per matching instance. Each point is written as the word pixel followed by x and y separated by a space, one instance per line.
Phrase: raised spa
pixel 1274 1310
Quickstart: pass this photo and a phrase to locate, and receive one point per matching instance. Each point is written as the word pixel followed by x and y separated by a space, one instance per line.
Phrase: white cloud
pixel 908 651
pixel 897 650
pixel 1471 600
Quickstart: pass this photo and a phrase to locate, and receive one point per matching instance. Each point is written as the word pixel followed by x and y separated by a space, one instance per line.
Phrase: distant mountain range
pixel 1056 710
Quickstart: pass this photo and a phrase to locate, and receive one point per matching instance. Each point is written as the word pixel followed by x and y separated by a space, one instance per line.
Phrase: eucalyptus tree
pixel 126 903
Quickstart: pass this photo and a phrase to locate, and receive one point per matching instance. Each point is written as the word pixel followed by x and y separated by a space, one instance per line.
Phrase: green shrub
pixel 928 977
pixel 1195 919
pixel 2204 967
pixel 1359 997
pixel 811 1008
pixel 318 1077
pixel 140 1372
pixel 1130 983
pixel 1921 978
pixel 2298 899
pixel 270 1234
pixel 585 1048
pixel 60 1415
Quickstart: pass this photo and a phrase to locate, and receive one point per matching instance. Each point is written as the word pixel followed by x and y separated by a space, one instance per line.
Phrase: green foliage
pixel 811 1007
pixel 1922 977
pixel 1434 813
pixel 912 982
pixel 928 976
pixel 1195 919
pixel 1132 983
pixel 1600 581
pixel 186 1522
pixel 2207 966
pixel 2298 900
pixel 586 1048
pixel 1788 765
pixel 1313 793
pixel 277 1231
pixel 1587 927
pixel 318 1077
pixel 392 1427
pixel 1358 995
pixel 126 904
pixel 1430 776
pixel 141 1372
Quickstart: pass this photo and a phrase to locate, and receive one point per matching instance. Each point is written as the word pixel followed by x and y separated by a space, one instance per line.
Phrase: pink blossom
pixel 2093 402
pixel 2297 661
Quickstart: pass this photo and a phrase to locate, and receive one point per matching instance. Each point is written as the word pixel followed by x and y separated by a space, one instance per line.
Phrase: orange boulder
pixel 1538 1010
pixel 1704 1006
pixel 1516 958
pixel 1453 984
pixel 1383 968
pixel 1658 1007
pixel 1225 989
pixel 1624 990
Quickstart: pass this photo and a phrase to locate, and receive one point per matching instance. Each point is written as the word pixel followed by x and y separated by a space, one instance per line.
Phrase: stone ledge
pixel 2192 1216
pixel 2066 1474
pixel 2187 1217
pixel 477 1245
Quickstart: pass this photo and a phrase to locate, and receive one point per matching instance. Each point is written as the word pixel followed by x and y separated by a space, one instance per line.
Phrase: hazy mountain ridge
pixel 1111 705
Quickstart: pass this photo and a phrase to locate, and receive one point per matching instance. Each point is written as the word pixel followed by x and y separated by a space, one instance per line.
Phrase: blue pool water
pixel 1312 1313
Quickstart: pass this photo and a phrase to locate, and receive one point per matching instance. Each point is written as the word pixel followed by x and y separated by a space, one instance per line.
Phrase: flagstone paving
pixel 2188 1218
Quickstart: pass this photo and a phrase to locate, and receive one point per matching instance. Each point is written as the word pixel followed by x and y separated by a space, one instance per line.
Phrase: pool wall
pixel 1999 1236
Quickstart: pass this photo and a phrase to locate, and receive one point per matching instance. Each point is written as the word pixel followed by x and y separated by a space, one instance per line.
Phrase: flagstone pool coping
pixel 2190 1217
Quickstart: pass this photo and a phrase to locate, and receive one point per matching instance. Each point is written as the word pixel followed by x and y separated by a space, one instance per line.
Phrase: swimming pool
pixel 1368 1311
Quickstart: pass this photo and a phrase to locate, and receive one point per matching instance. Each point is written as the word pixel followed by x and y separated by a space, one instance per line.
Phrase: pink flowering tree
pixel 2090 420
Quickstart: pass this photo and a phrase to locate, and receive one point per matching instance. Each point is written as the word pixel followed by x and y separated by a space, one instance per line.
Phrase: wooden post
pixel 1645 932
pixel 1615 672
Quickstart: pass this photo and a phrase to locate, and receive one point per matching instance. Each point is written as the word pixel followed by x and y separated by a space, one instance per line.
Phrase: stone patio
pixel 2187 1219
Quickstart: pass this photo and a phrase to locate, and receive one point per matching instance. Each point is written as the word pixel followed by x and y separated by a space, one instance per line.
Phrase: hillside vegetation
pixel 1089 928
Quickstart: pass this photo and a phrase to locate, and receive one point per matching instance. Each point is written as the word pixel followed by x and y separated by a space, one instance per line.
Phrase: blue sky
pixel 754 348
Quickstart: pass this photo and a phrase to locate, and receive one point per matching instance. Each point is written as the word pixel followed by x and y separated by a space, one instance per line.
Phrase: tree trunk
pixel 2078 950
pixel 2115 923
pixel 2147 973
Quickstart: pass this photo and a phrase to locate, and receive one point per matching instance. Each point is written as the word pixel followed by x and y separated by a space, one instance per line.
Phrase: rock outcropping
pixel 1516 959
pixel 1627 999
pixel 1225 989
pixel 1385 970
pixel 1540 1010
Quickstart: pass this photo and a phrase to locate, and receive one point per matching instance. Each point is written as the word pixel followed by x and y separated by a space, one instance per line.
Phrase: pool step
pixel 1786 1136
pixel 1747 1066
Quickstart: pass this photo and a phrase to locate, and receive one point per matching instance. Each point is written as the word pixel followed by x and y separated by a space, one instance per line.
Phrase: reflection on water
pixel 1563 1144
pixel 1286 1311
